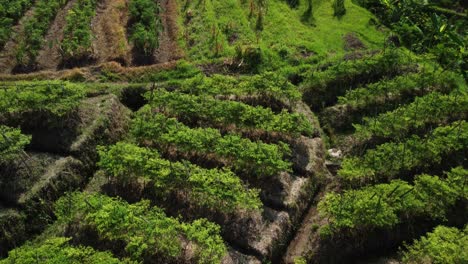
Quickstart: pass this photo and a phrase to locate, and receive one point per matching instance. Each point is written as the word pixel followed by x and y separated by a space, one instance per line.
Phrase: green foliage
pixel 145 25
pixel 216 189
pixel 385 205
pixel 78 36
pixel 34 30
pixel 250 158
pixel 425 28
pixel 432 109
pixel 218 113
pixel 400 90
pixel 220 29
pixel 59 250
pixel 146 231
pixel 55 97
pixel 266 85
pixel 12 143
pixel 206 235
pixel 323 87
pixel 10 12
pixel 443 245
pixel 300 260
pixel 390 159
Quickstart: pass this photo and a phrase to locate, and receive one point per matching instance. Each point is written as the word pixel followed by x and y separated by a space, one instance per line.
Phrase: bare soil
pixel 168 48
pixel 8 54
pixel 109 30
pixel 49 57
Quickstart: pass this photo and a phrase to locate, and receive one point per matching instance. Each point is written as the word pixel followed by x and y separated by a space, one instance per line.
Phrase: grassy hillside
pixel 233 131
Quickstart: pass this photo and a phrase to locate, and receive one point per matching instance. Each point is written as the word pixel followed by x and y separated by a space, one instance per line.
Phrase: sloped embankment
pixel 61 158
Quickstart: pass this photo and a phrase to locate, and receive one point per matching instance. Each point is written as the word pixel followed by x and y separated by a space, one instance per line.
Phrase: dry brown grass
pixel 92 74
pixel 109 27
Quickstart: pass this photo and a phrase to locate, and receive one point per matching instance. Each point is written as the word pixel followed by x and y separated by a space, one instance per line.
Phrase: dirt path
pixel 307 237
pixel 8 54
pixel 303 239
pixel 49 57
pixel 168 49
pixel 109 30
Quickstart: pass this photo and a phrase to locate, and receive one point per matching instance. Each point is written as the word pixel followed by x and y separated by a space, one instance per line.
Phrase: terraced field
pixel 212 131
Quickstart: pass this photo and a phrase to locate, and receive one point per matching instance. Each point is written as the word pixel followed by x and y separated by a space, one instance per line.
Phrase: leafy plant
pixel 215 189
pixel 146 231
pixel 391 159
pixel 400 90
pixel 10 12
pixel 55 97
pixel 145 24
pixel 12 143
pixel 78 36
pixel 34 30
pixel 219 113
pixel 385 205
pixel 432 109
pixel 59 250
pixel 247 157
pixel 442 245
pixel 268 85
pixel 322 87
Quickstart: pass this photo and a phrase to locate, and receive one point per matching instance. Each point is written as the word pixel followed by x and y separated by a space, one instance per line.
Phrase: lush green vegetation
pixel 10 12
pixel 55 97
pixel 392 159
pixel 386 205
pixel 216 189
pixel 443 245
pixel 12 143
pixel 244 156
pixel 321 88
pixel 59 250
pixel 34 30
pixel 400 90
pixel 146 231
pixel 145 28
pixel 192 109
pixel 78 36
pixel 432 109
pixel 287 31
pixel 426 28
pixel 266 85
pixel 231 115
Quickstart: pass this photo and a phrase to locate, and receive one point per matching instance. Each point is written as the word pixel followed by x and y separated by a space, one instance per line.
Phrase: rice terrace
pixel 233 131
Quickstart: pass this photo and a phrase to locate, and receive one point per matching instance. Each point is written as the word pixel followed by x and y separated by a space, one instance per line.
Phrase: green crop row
pixel 56 97
pixel 391 159
pixel 401 90
pixel 59 250
pixel 432 109
pixel 322 88
pixel 215 189
pixel 269 85
pixel 146 231
pixel 144 31
pixel 10 12
pixel 386 205
pixel 245 156
pixel 78 36
pixel 34 30
pixel 218 113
